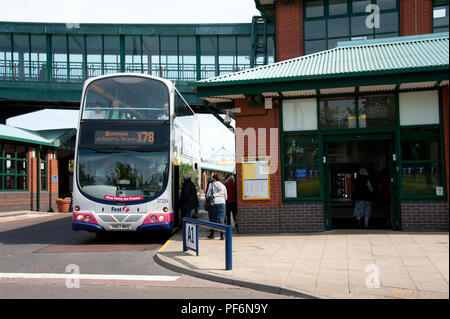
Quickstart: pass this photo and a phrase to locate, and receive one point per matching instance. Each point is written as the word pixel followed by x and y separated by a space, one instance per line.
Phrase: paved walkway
pixel 334 264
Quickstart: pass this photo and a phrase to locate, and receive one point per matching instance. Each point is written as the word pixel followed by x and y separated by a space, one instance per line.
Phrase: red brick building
pixel 29 168
pixel 365 98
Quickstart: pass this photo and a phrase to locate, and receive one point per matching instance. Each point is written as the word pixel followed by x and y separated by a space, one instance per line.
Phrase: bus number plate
pixel 119 226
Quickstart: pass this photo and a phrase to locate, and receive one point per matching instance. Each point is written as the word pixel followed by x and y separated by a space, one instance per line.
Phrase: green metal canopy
pixel 54 138
pixel 352 63
pixel 17 134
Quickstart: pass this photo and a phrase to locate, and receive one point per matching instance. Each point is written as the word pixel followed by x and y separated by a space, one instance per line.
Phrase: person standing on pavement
pixel 217 211
pixel 362 194
pixel 231 204
pixel 188 196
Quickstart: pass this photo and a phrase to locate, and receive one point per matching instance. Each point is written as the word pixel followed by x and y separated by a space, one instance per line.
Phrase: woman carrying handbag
pixel 216 213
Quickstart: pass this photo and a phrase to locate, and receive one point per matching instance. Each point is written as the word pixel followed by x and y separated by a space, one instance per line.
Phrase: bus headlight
pixel 80 218
pixel 161 218
pixel 87 218
pixel 153 218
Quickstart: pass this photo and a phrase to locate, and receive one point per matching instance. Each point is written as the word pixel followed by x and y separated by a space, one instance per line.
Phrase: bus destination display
pixel 124 137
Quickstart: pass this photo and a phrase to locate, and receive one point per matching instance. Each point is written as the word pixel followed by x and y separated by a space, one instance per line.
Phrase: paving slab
pixel 335 264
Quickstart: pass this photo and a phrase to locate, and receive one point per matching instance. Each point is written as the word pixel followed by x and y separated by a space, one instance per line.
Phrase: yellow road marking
pixel 164 246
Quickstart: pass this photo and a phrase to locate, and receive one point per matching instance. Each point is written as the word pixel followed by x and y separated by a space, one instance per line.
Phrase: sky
pixel 129 11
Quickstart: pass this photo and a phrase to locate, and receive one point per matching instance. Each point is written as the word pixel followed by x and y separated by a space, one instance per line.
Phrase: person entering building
pixel 362 194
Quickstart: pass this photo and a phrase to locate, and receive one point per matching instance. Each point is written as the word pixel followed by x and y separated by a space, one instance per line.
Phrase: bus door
pixel 176 195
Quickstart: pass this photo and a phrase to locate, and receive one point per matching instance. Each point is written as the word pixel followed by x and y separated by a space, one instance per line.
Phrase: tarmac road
pixel 38 257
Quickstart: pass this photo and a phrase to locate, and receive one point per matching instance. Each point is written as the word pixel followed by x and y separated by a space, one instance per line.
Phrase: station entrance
pixel 345 156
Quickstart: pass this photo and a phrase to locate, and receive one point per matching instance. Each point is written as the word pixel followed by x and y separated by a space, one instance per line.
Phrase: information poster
pixel 255 178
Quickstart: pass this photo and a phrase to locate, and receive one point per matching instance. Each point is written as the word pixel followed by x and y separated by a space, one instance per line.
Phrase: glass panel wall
pixel 111 57
pixel 227 55
pixel 440 16
pixel 337 113
pixel 244 51
pixel 328 22
pixel 133 54
pixel 76 53
pixel 208 54
pixel 38 58
pixel 59 59
pixel 299 114
pixel 301 161
pixel 169 57
pixel 94 56
pixel 13 167
pixel 6 66
pixel 43 169
pixel 187 59
pixel 422 173
pixel 150 55
pixel 21 57
pixel 377 111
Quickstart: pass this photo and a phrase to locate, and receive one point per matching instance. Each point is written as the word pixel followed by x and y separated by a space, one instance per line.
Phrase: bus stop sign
pixel 190 237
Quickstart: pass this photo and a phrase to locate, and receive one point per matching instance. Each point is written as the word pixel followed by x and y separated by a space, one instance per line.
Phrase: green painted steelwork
pixel 66 53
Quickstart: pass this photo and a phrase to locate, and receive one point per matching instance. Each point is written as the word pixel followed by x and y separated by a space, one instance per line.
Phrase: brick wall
pixel 298 218
pixel 415 17
pixel 27 200
pixel 257 118
pixel 424 216
pixel 289 30
pixel 301 218
pixel 14 201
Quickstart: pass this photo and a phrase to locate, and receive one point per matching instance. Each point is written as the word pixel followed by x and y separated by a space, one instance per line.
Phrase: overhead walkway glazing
pixel 43 65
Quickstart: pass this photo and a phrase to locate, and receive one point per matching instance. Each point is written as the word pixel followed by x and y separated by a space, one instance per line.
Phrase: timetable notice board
pixel 255 178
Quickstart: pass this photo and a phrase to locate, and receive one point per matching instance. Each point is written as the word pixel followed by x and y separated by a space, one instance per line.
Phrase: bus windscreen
pixel 126 98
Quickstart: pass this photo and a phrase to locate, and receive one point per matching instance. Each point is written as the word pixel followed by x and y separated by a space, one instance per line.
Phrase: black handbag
pixel 209 199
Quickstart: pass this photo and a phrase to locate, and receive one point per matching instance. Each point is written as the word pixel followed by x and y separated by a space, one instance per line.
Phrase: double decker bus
pixel 134 132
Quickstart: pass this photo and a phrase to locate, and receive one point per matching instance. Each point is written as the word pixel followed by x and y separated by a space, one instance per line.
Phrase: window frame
pixel 16 175
pixel 395 130
pixel 349 15
pixel 434 4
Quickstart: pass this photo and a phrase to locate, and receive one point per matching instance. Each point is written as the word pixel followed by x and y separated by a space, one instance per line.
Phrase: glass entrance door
pixel 345 156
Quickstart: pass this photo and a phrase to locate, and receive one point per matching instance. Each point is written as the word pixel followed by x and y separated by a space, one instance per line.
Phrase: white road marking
pixel 87 277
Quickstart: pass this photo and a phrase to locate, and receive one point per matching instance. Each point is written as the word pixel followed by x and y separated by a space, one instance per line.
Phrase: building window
pixel 422 174
pixel 301 166
pixel 133 54
pixel 300 114
pixel 60 61
pixel 13 167
pixel 370 111
pixel 337 113
pixel 377 111
pixel 440 16
pixel 76 56
pixel 328 22
pixel 43 169
pixel 419 108
pixel 6 66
